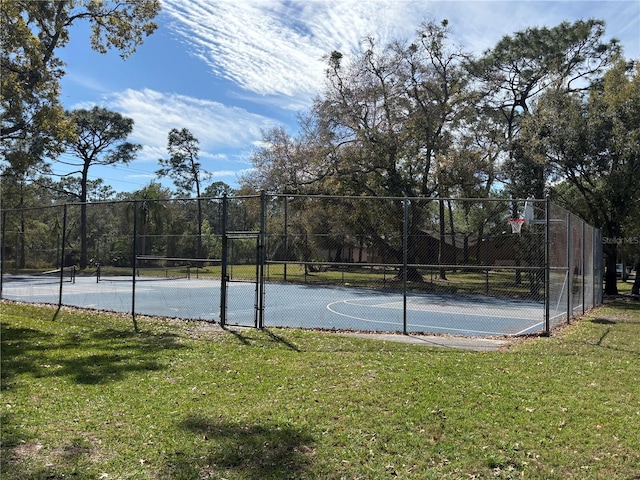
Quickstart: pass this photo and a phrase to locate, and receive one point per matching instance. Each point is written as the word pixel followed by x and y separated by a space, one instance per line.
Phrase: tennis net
pixel 113 274
pixel 66 274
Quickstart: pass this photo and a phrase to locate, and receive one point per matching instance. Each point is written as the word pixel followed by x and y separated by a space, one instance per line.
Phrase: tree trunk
pixel 199 240
pixel 635 289
pixel 413 275
pixel 610 280
pixel 443 275
pixel 453 231
pixel 83 235
pixel 83 216
pixel 22 255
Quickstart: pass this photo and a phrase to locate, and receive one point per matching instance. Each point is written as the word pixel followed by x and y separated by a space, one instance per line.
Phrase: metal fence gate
pixel 242 272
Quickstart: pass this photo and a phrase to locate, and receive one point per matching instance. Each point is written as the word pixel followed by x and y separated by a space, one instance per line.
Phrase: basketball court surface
pixel 293 305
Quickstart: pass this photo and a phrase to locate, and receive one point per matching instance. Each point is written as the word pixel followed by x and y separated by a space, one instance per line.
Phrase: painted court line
pixel 298 305
pixel 449 311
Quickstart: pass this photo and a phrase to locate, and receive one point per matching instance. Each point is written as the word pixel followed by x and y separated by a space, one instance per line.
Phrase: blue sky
pixel 228 69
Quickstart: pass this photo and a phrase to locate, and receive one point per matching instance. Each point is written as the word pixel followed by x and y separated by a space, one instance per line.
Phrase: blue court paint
pixel 292 305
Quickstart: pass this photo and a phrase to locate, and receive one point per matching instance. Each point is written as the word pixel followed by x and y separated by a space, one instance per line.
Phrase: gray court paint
pixel 305 306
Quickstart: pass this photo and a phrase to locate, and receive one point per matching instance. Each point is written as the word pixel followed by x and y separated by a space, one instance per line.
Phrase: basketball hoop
pixel 516 225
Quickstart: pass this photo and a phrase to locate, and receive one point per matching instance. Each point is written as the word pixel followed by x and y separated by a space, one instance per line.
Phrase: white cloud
pixel 274 47
pixel 216 126
pixel 271 51
pixel 143 176
pixel 226 134
pixel 223 174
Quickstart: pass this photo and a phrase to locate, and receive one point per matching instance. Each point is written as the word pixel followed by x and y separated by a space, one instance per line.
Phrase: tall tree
pixel 100 139
pixel 19 191
pixel 32 117
pixel 524 65
pixel 391 111
pixel 150 205
pixel 286 164
pixel 386 117
pixel 594 147
pixel 185 170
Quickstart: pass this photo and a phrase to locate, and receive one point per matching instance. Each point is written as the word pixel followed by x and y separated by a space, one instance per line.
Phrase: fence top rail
pixel 176 259
pixel 26 209
pixel 277 195
pixel 432 266
pixel 428 199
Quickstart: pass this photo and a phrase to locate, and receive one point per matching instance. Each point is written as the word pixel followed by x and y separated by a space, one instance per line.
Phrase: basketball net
pixel 516 225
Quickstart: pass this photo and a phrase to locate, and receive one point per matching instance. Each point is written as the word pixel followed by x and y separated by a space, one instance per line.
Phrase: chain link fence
pixel 327 262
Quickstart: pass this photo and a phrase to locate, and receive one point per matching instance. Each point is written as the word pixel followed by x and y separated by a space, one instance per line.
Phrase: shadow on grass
pixel 603 321
pixel 255 451
pixel 89 358
pixel 624 305
pixel 23 457
pixel 280 339
pixel 238 334
pixel 624 330
pixel 255 337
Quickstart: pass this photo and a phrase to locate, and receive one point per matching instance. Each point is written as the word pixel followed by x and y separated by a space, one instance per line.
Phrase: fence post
pixel 223 267
pixel 261 258
pixel 569 270
pixel 134 263
pixel 596 273
pixel 286 237
pixel 547 268
pixel 2 251
pixel 584 259
pixel 405 248
pixel 62 253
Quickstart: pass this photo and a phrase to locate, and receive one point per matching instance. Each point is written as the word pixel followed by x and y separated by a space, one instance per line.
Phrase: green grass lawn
pixel 84 396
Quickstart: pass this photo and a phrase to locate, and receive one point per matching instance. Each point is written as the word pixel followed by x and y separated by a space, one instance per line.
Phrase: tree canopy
pixel 425 119
pixel 184 169
pixel 592 149
pixel 550 110
pixel 100 139
pixel 33 119
pixel 569 57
